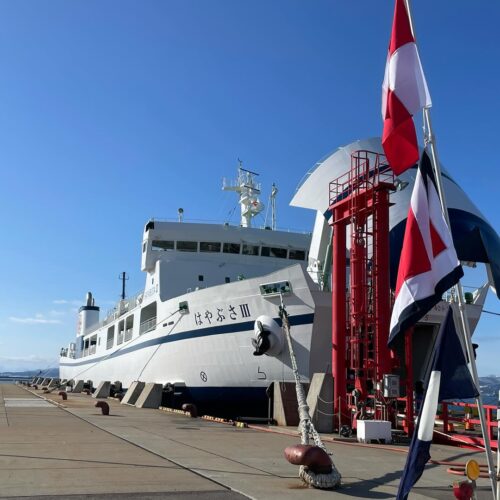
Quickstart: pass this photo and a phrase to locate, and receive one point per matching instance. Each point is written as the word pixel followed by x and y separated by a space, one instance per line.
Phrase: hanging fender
pixel 268 338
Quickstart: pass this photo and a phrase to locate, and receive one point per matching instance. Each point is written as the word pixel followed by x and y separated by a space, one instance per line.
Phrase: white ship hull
pixel 209 347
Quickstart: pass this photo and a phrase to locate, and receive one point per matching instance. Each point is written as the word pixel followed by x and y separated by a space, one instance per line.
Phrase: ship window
pixel 200 277
pixel 250 250
pixel 144 246
pixel 187 246
pixel 297 254
pixel 93 343
pixel 227 279
pixel 280 287
pixel 231 248
pixel 111 337
pixel 162 245
pixel 148 318
pixel 129 326
pixel 210 246
pixel 274 252
pixel 121 328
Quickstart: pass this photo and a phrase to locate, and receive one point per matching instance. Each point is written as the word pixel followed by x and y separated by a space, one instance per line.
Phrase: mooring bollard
pixel 313 457
pixel 103 406
pixel 63 395
pixel 191 409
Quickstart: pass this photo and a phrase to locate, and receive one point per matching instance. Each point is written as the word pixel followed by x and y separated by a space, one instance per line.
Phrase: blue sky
pixel 112 112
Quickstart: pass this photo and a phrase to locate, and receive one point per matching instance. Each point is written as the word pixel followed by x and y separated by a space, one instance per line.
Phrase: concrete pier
pixel 69 449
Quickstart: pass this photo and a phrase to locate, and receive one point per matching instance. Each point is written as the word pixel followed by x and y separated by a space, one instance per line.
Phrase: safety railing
pixel 469 419
pixel 147 326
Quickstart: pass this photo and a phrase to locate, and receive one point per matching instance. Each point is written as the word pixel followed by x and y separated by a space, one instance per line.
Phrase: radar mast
pixel 249 192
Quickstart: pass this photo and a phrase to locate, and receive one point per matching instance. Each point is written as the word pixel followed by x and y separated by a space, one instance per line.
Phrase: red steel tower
pixel 361 305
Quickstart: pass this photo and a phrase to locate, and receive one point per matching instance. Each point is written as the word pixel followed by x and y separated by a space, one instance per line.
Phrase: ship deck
pixel 51 447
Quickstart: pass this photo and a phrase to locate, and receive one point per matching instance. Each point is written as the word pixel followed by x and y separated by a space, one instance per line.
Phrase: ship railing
pixel 465 416
pixel 124 306
pixel 67 353
pixel 226 223
pixel 147 326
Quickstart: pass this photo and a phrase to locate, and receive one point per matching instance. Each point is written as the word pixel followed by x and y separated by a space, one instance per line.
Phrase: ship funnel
pixel 88 315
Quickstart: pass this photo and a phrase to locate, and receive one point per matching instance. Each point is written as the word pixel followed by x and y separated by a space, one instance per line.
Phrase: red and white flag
pixel 404 93
pixel 428 265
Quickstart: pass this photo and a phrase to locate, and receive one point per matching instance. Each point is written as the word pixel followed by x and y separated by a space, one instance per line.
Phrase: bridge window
pixel 231 248
pixel 187 246
pixel 210 246
pixel 162 245
pixel 297 254
pixel 250 249
pixel 279 253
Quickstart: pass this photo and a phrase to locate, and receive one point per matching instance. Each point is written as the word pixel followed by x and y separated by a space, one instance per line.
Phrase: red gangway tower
pixel 361 303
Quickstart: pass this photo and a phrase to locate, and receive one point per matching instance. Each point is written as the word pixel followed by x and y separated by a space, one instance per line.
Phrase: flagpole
pixel 430 140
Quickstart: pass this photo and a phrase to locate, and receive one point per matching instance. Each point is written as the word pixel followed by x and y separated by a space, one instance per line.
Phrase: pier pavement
pixel 52 448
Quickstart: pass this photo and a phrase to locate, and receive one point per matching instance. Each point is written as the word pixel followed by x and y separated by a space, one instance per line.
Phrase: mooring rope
pixel 307 430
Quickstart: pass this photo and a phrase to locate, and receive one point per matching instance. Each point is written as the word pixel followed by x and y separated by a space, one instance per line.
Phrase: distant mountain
pixel 51 372
pixel 490 386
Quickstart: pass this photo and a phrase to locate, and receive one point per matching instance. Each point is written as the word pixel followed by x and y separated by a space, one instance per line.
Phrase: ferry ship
pixel 193 327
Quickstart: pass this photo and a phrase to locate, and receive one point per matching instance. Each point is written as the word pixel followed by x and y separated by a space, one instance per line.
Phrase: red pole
pixel 339 315
pixel 382 289
pixel 359 305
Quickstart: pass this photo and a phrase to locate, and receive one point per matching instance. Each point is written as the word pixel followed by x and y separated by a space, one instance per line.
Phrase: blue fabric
pixel 456 383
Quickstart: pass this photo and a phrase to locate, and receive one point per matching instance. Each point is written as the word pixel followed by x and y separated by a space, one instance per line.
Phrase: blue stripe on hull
pixel 301 319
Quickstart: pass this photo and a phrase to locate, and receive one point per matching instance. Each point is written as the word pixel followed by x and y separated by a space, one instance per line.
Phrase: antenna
pixel 123 277
pixel 248 191
pixel 274 192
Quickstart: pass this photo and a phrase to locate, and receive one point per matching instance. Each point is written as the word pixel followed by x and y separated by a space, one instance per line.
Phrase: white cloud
pixel 56 313
pixel 38 319
pixel 64 301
